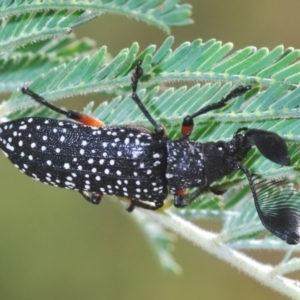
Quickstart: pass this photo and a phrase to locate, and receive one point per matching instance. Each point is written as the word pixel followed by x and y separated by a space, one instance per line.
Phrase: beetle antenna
pixel 269 144
pixel 188 123
pixel 277 205
pixel 240 90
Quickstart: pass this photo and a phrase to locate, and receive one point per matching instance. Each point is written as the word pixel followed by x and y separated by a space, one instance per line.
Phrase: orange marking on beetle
pixel 186 130
pixel 89 120
pixel 180 192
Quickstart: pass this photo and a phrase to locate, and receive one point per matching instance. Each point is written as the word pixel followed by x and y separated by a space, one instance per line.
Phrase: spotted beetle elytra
pixel 144 166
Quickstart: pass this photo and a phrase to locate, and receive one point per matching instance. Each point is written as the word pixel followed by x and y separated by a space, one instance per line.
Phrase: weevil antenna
pixel 277 206
pixel 221 103
pixel 270 145
pixel 188 123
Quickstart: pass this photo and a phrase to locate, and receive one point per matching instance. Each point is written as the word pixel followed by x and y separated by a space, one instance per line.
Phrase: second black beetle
pixel 133 162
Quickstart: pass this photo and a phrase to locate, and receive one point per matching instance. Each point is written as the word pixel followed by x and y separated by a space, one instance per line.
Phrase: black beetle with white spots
pixel 145 166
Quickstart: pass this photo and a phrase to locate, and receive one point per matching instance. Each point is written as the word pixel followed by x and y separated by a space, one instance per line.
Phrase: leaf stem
pixel 209 242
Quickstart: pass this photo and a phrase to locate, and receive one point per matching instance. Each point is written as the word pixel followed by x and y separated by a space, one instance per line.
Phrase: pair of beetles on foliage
pixel 143 165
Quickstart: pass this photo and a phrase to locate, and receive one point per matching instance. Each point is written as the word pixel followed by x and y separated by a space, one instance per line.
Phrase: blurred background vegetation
pixel 54 245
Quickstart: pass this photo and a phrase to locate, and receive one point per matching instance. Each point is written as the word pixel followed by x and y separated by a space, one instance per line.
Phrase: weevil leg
pixel 181 201
pixel 94 198
pixel 137 203
pixel 179 198
pixel 188 123
pixel 136 75
pixel 216 192
pixel 71 114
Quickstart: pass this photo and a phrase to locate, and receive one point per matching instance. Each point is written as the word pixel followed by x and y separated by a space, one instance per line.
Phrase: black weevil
pixel 145 166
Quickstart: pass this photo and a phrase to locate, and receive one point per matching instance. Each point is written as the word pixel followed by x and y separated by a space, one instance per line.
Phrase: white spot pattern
pixel 117 160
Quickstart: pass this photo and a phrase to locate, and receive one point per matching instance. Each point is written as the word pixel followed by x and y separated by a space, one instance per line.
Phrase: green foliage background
pixel 55 246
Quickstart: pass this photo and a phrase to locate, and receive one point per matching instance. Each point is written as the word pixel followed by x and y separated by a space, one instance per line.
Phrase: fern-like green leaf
pixel 39 59
pixel 160 13
pixel 190 61
pixel 18 30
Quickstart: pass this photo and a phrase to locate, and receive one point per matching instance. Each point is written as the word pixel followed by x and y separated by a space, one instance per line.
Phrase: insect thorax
pixel 193 164
pixel 185 166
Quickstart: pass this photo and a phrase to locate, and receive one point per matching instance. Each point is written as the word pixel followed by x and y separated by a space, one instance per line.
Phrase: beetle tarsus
pixel 138 203
pixel 94 198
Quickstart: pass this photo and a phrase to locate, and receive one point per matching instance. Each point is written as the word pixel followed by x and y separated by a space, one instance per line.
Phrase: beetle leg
pixel 181 201
pixel 136 75
pixel 144 205
pixel 94 198
pixel 71 114
pixel 216 192
pixel 178 198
